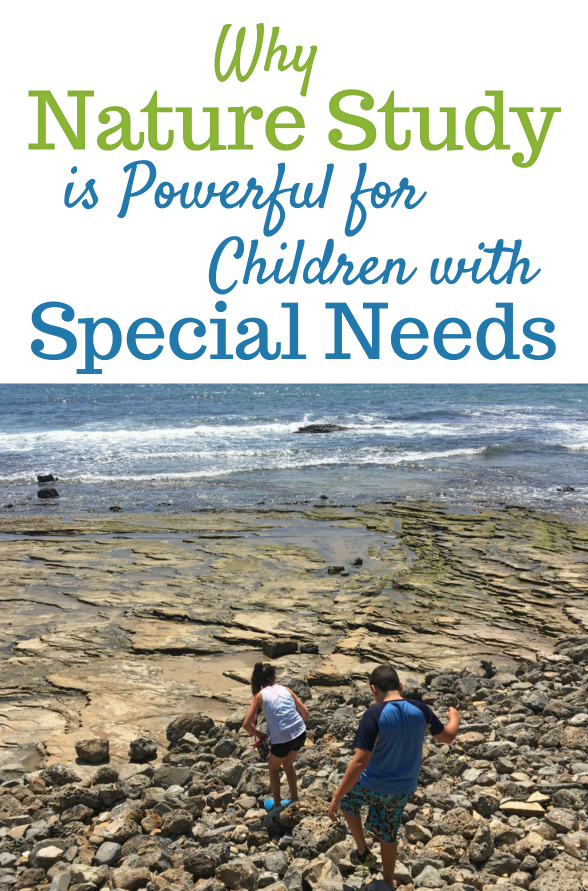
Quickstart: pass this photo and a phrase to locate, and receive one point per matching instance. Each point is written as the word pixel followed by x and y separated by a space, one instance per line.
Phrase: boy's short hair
pixel 385 678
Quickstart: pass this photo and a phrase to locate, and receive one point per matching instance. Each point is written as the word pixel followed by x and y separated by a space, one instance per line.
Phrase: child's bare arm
pixel 451 728
pixel 248 720
pixel 300 707
pixel 356 767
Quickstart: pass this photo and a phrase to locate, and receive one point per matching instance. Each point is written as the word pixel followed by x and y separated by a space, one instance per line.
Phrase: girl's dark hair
pixel 263 674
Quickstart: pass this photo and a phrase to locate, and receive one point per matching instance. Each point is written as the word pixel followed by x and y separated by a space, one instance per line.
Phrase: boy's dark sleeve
pixel 368 731
pixel 433 723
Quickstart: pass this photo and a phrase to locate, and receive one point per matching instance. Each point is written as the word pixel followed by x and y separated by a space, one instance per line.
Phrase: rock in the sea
pixel 93 751
pixel 321 428
pixel 46 478
pixel 47 492
pixel 115 509
pixel 189 722
pixel 142 749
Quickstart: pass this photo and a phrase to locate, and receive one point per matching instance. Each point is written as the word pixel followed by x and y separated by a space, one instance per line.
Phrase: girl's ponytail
pixel 263 674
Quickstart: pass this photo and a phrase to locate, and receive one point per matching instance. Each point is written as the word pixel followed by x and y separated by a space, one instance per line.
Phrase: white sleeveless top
pixel 283 721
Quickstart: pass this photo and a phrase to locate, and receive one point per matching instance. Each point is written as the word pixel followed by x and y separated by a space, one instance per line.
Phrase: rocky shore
pixel 505 807
pixel 114 624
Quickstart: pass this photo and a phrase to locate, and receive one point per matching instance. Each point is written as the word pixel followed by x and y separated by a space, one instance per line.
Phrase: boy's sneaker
pixel 366 859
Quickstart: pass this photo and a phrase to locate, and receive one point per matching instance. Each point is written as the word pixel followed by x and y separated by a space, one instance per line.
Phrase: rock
pixel 416 833
pixel 307 806
pixel 37 785
pixel 46 478
pixel 321 428
pixel 60 775
pixel 47 492
pixel 297 685
pixel 327 674
pixel 39 846
pixel 557 880
pixel 203 862
pixel 277 862
pixel 502 863
pixel 131 879
pixel 107 854
pixel 224 747
pixel 314 835
pixel 533 844
pixel 447 848
pixel 142 749
pixel 79 813
pixel 120 829
pixel 189 722
pixel 482 845
pixel 238 874
pixel 320 870
pixel 110 793
pixel 176 823
pixel 275 648
pixel 562 820
pixel 231 771
pixel 115 509
pixel 92 751
pixel 30 878
pixel 47 856
pixel 536 701
pixel 522 808
pixel 132 770
pixel 166 776
pixel 429 878
pixel 82 873
pixel 335 570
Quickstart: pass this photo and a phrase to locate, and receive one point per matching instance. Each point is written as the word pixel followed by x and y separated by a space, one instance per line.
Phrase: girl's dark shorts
pixel 280 750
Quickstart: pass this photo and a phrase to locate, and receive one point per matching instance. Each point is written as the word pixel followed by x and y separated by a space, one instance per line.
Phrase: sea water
pixel 192 447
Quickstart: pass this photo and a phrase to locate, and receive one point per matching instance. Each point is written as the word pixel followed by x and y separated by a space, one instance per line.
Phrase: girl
pixel 285 715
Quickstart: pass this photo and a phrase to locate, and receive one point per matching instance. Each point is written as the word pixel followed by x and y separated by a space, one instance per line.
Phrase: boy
pixel 384 770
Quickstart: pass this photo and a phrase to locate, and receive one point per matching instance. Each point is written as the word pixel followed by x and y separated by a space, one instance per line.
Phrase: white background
pixel 155 262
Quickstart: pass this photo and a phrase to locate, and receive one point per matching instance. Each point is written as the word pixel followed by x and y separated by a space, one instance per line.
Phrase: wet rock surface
pixel 490 811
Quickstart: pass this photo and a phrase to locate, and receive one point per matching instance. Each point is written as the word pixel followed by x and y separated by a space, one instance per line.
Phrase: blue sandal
pixel 269 803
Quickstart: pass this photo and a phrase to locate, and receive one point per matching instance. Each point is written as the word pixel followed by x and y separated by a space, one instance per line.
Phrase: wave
pixel 284 460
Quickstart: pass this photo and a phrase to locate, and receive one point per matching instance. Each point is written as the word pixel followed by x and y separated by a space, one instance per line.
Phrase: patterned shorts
pixel 384 811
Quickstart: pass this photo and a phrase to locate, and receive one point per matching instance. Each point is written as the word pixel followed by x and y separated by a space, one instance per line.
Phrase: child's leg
pixel 356 829
pixel 288 765
pixel 275 765
pixel 389 851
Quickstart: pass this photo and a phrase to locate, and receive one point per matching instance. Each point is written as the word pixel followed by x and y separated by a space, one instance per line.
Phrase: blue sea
pixel 183 447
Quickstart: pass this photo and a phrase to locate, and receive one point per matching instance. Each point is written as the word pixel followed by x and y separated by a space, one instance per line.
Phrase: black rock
pixel 357 562
pixel 47 493
pixel 189 722
pixel 321 428
pixel 335 570
pixel 274 648
pixel 142 749
pixel 46 478
pixel 115 509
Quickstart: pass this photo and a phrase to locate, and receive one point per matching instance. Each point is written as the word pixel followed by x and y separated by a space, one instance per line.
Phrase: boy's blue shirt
pixel 394 731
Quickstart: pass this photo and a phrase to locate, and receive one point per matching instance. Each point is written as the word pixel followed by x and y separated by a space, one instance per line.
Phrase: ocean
pixel 192 447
